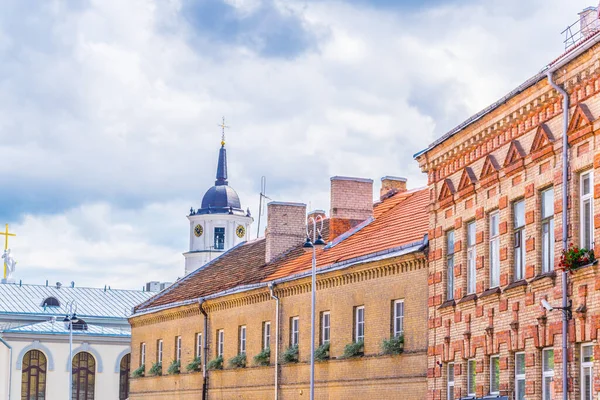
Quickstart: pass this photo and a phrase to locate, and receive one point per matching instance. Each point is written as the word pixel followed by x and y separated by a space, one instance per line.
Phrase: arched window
pixel 84 376
pixel 33 376
pixel 51 302
pixel 80 325
pixel 124 377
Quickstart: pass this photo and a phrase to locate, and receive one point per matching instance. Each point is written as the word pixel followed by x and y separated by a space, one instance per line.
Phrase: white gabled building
pixel 34 342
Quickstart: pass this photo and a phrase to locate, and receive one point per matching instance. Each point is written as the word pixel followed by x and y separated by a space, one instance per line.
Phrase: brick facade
pixel 512 154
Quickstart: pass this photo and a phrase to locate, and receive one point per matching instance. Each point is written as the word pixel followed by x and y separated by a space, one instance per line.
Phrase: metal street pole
pixel 70 359
pixel 312 322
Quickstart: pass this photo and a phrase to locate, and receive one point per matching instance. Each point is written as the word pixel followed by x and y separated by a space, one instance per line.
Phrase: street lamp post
pixel 69 320
pixel 317 241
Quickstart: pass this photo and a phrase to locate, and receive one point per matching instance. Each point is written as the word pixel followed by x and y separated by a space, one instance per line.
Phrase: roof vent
pixel 58 285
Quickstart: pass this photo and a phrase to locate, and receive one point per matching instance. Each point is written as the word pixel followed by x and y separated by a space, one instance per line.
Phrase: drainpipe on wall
pixel 9 365
pixel 205 355
pixel 565 194
pixel 271 290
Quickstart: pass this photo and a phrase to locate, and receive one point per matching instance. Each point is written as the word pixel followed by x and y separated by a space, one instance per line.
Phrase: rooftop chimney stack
pixel 314 214
pixel 588 21
pixel 286 228
pixel 351 203
pixel 391 185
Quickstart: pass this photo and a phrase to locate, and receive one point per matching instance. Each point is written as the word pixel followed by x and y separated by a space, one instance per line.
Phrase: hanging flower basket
pixel 575 257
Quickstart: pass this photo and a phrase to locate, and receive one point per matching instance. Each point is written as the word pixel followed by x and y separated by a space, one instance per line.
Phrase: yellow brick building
pixel 371 288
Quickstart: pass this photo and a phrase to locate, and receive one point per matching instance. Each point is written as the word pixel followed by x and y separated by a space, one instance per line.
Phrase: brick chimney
pixel 391 185
pixel 315 213
pixel 286 228
pixel 588 21
pixel 351 203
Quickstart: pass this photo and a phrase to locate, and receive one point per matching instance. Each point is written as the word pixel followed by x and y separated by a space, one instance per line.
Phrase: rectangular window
pixel 587 367
pixel 450 386
pixel 587 209
pixel 471 258
pixel 294 331
pixel 220 342
pixel 266 335
pixel 159 350
pixel 398 318
pixel 199 345
pixel 494 249
pixel 495 375
pixel 450 265
pixel 242 345
pixel 143 354
pixel 325 327
pixel 219 238
pixel 178 348
pixel 359 328
pixel 548 374
pixel 548 230
pixel 519 376
pixel 519 239
pixel 471 377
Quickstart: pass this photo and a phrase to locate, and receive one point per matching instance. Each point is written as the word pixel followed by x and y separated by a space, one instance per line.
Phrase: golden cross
pixel 223 126
pixel 6 235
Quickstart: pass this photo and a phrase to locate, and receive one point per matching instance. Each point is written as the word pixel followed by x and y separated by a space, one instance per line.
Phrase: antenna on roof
pixel 263 195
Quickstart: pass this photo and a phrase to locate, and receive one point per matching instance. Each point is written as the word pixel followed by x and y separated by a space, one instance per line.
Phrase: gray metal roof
pixel 91 302
pixel 59 328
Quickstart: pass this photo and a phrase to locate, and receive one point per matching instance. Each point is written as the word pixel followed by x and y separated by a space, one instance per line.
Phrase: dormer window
pixel 51 302
pixel 80 325
pixel 219 238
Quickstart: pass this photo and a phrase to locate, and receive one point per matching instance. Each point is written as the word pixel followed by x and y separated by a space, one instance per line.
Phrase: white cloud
pixel 108 114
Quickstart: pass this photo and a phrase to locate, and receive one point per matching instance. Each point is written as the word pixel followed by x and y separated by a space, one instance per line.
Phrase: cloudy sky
pixel 109 110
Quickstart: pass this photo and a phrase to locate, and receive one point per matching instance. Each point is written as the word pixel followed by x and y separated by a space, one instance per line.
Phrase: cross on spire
pixel 6 235
pixel 223 126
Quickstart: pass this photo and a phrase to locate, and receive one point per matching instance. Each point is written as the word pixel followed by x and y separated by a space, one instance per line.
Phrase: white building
pixel 219 224
pixel 34 342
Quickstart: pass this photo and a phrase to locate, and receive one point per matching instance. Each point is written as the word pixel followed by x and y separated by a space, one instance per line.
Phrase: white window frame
pixel 199 345
pixel 450 382
pixel 398 317
pixel 242 344
pixel 325 327
pixel 450 237
pixel 585 198
pixel 178 348
pixel 547 233
pixel 267 335
pixel 471 258
pixel 519 377
pixel 547 374
pixel 471 386
pixel 519 243
pixel 492 359
pixel 159 351
pixel 215 238
pixel 295 331
pixel 359 324
pixel 587 365
pixel 494 229
pixel 220 342
pixel 143 354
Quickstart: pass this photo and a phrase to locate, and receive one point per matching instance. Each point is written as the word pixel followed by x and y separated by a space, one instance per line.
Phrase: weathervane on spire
pixel 223 126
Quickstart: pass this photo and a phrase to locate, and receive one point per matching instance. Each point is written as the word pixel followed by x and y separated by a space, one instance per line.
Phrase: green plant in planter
pixel 138 373
pixel 354 349
pixel 156 369
pixel 290 355
pixel 575 257
pixel 238 361
pixel 393 345
pixel 322 352
pixel 195 365
pixel 174 368
pixel 263 358
pixel 216 363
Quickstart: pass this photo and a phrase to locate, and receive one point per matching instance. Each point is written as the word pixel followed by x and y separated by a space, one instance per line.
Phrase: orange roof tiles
pixel 399 220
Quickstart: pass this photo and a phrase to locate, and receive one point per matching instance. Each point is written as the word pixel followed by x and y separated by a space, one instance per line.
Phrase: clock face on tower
pixel 240 231
pixel 198 230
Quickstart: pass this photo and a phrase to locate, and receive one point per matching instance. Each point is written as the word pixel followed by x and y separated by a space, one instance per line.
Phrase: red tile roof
pixel 399 220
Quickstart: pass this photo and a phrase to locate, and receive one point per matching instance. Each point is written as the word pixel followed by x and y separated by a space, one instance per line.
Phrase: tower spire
pixel 222 163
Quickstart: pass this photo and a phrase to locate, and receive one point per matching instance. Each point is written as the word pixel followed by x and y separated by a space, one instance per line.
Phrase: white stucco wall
pixel 57 352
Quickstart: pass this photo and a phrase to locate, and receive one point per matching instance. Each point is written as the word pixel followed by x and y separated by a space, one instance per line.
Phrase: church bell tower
pixel 220 223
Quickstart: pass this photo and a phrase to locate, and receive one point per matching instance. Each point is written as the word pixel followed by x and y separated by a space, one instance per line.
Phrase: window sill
pixel 467 298
pixel 447 304
pixel 550 275
pixel 490 292
pixel 514 285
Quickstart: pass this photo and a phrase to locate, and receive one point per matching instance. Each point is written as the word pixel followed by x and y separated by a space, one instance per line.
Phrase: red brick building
pixel 496 238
